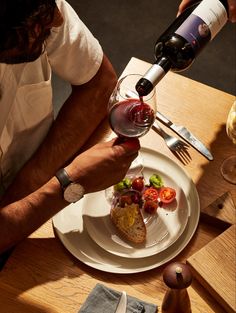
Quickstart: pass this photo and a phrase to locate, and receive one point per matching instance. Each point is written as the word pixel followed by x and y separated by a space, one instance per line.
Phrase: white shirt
pixel 26 111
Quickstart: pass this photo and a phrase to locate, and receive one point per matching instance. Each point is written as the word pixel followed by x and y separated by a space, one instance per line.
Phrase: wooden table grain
pixel 41 276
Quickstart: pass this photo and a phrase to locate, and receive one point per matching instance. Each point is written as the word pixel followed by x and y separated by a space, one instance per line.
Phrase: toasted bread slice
pixel 129 221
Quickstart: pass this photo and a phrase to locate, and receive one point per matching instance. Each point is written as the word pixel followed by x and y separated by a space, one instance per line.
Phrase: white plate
pixel 163 228
pixel 69 227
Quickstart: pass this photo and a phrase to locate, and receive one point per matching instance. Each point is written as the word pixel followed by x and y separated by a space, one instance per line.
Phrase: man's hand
pixel 232 10
pixel 184 4
pixel 104 164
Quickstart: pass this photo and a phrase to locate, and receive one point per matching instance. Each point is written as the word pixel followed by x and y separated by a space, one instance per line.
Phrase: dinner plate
pixel 70 229
pixel 163 228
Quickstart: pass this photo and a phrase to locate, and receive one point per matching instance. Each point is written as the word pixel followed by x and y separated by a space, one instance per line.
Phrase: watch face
pixel 73 192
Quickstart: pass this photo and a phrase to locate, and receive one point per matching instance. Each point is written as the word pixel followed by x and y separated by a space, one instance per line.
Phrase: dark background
pixel 127 28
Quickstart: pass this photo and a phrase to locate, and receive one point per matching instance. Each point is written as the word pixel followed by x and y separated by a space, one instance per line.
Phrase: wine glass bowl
pixel 228 167
pixel 129 114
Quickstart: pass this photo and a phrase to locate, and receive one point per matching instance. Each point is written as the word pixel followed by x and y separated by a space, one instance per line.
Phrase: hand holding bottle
pixel 184 39
pixel 231 3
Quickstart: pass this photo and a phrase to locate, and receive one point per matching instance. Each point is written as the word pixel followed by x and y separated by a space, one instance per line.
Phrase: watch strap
pixel 63 178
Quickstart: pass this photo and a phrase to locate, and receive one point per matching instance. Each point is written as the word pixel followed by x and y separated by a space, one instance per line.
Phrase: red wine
pixel 183 40
pixel 131 118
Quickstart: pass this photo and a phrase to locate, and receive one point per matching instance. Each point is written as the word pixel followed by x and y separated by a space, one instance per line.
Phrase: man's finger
pixel 130 145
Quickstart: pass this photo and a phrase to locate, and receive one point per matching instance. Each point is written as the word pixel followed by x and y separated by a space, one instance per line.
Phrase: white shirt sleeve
pixel 74 53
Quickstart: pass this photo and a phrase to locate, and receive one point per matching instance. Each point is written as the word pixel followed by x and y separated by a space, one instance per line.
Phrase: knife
pixel 186 135
pixel 121 307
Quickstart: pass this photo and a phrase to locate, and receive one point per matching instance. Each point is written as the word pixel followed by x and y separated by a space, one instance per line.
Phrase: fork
pixel 177 146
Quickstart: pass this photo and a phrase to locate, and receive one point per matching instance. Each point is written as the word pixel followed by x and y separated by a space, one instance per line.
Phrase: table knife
pixel 121 307
pixel 184 133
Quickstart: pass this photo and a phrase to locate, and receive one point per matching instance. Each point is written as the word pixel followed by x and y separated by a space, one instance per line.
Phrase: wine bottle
pixel 183 40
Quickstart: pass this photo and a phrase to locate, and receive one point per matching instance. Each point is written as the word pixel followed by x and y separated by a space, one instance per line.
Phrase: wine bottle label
pixel 203 23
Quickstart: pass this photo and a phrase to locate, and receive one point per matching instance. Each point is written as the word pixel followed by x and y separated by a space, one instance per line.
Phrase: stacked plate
pixel 86 230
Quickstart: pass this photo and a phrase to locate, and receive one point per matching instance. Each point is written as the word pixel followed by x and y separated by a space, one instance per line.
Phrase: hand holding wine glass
pixel 228 167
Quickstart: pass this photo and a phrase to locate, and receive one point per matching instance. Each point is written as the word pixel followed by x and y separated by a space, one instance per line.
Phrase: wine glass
pixel 130 115
pixel 228 167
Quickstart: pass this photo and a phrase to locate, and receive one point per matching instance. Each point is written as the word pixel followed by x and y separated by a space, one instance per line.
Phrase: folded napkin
pixel 105 300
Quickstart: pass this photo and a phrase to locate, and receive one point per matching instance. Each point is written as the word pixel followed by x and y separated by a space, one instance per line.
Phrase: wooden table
pixel 42 276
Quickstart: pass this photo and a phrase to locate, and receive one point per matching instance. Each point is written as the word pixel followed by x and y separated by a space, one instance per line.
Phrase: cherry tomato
pixel 167 194
pixel 138 184
pixel 150 193
pixel 150 206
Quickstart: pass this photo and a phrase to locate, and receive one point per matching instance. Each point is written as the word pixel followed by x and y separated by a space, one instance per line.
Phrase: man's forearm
pixel 19 219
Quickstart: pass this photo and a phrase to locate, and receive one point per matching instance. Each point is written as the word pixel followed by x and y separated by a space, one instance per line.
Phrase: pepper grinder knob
pixel 178 277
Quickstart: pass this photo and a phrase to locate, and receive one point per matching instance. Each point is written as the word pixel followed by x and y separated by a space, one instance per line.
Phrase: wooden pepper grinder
pixel 177 276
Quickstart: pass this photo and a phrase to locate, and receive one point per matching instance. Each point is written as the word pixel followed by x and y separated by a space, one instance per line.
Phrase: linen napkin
pixel 105 300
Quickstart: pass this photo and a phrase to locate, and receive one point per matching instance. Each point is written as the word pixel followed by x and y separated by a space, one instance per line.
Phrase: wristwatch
pixel 72 191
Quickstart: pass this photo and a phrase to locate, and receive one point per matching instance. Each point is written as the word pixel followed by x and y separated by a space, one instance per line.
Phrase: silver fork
pixel 177 146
